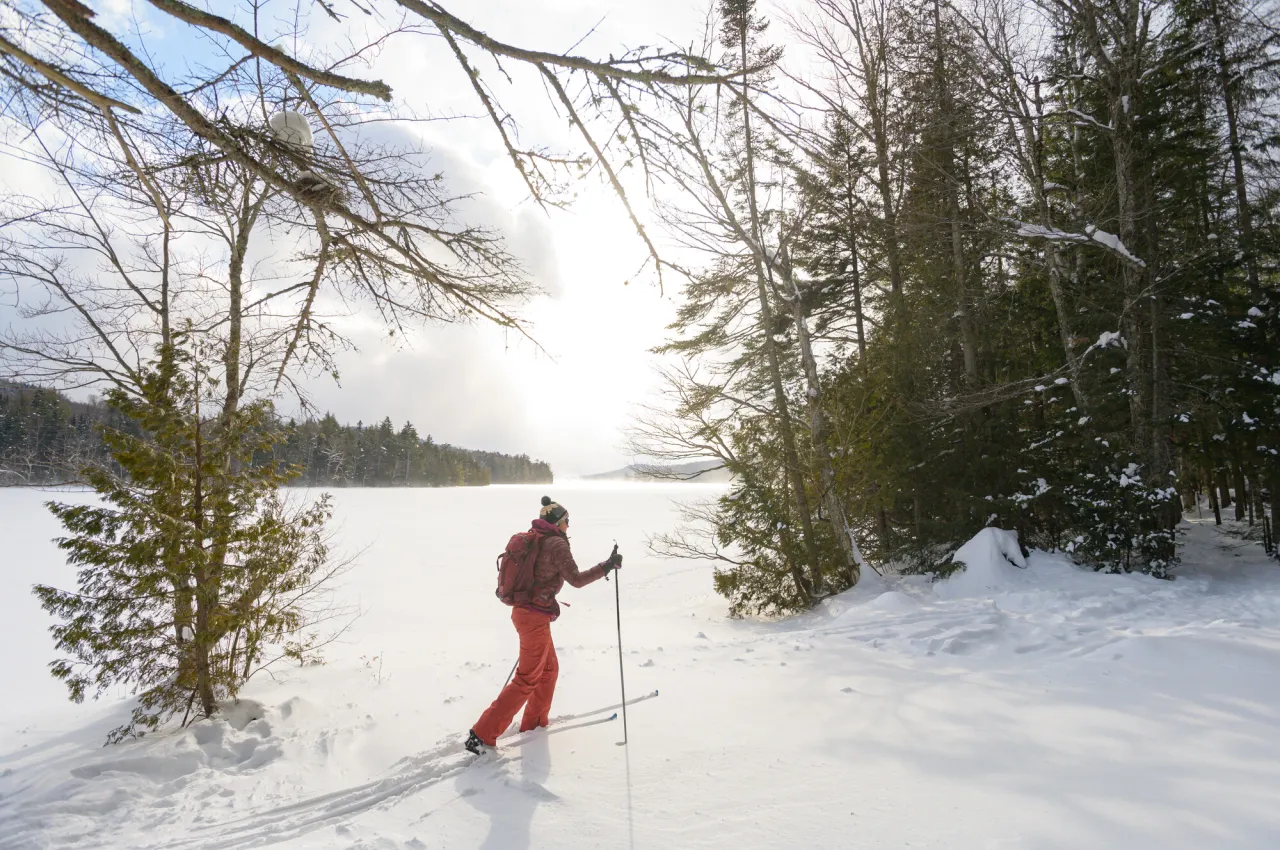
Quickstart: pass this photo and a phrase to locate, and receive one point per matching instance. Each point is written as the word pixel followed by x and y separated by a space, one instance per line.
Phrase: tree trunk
pixel 1214 503
pixel 1034 129
pixel 1131 321
pixel 820 431
pixel 814 586
pixel 244 218
pixel 1275 505
pixel 1065 329
pixel 1257 505
pixel 968 334
pixel 855 272
pixel 1244 215
pixel 1237 473
pixel 205 592
pixel 877 98
pixel 1117 44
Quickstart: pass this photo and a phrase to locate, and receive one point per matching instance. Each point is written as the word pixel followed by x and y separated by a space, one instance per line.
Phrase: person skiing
pixel 536 672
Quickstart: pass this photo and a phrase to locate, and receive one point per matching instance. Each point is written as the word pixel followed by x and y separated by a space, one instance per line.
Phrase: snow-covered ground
pixel 1046 707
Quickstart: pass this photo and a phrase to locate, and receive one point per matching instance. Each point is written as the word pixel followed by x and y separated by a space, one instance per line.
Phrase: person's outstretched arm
pixel 557 549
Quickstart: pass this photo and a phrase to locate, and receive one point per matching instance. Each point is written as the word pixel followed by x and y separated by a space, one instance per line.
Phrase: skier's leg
pixel 537 711
pixel 497 717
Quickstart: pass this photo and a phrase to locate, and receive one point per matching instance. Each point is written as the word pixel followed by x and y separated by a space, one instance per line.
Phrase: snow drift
pixel 992 560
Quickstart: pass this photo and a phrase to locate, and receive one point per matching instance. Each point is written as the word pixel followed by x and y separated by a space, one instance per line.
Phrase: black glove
pixel 614 562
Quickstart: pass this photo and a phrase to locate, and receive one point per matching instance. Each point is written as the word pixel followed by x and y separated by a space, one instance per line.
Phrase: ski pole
pixel 512 673
pixel 622 680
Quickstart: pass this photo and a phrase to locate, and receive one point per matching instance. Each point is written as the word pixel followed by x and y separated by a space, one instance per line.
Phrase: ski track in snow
pixel 294 819
pixel 273 823
pixel 1005 678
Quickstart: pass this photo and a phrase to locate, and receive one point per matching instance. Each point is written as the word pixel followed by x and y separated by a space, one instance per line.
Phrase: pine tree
pixel 189 579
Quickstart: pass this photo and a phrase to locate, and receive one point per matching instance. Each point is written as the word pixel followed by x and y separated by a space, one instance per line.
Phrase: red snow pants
pixel 533 685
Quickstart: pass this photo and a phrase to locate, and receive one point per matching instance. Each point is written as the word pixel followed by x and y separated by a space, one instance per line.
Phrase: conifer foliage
pixel 976 263
pixel 190 579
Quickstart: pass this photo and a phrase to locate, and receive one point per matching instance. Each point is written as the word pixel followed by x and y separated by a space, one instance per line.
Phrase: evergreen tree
pixel 190 580
pixel 1039 277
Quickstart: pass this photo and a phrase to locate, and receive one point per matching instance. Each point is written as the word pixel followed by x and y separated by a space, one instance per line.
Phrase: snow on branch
pixel 1106 339
pixel 1086 119
pixel 1091 235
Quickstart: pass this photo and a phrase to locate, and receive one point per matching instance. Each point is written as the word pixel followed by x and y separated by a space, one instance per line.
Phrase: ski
pixel 565 722
pixel 564 718
pixel 519 739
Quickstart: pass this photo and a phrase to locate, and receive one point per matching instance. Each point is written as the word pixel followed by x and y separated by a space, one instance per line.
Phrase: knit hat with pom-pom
pixel 552 512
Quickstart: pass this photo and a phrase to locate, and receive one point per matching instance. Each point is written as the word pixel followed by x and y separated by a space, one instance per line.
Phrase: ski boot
pixel 474 745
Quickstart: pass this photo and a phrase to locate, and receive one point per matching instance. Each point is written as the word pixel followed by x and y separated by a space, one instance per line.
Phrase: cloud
pixel 448 384
pixel 530 238
pixel 470 385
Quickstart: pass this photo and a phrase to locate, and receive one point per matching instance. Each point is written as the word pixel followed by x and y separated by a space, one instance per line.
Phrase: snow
pixel 990 561
pixel 1113 242
pixel 1107 339
pixel 1045 707
pixel 1092 234
pixel 292 128
pixel 1086 118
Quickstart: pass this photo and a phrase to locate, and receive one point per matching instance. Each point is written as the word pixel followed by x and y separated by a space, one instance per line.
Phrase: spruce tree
pixel 190 579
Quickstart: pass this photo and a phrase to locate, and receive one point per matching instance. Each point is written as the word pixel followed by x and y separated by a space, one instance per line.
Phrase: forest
pixel 46 438
pixel 973 263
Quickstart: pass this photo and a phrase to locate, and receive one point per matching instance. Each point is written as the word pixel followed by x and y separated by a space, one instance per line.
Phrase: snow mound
pixel 240 740
pixel 991 560
pixel 894 602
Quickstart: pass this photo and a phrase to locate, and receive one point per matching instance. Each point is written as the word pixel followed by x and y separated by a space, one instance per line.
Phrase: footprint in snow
pixel 648 663
pixel 701 636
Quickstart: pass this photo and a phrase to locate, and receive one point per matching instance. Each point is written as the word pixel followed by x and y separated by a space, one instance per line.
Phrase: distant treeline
pixel 379 455
pixel 46 438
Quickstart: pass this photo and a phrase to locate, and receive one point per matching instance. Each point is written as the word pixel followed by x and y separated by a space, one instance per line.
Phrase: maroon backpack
pixel 515 568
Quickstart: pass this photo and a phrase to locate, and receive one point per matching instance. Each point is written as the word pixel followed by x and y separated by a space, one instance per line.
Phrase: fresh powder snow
pixel 1019 703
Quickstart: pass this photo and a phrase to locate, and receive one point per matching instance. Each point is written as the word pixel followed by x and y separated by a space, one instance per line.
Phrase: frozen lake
pixel 423 580
pixel 1047 708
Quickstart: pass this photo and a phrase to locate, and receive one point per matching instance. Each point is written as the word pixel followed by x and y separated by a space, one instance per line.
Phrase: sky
pixel 481 387
pixel 567 396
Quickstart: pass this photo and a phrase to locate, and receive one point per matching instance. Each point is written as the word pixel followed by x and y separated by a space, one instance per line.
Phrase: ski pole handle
pixel 611 554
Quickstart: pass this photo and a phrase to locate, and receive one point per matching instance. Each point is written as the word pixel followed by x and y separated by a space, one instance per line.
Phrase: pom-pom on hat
pixel 552 512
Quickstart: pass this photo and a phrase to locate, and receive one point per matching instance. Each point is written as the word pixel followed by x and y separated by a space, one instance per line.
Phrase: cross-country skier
pixel 535 678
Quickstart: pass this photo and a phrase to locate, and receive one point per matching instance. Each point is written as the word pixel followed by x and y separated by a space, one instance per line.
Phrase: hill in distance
pixel 698 472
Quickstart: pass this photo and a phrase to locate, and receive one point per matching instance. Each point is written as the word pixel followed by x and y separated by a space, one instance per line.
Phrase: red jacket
pixel 555 566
